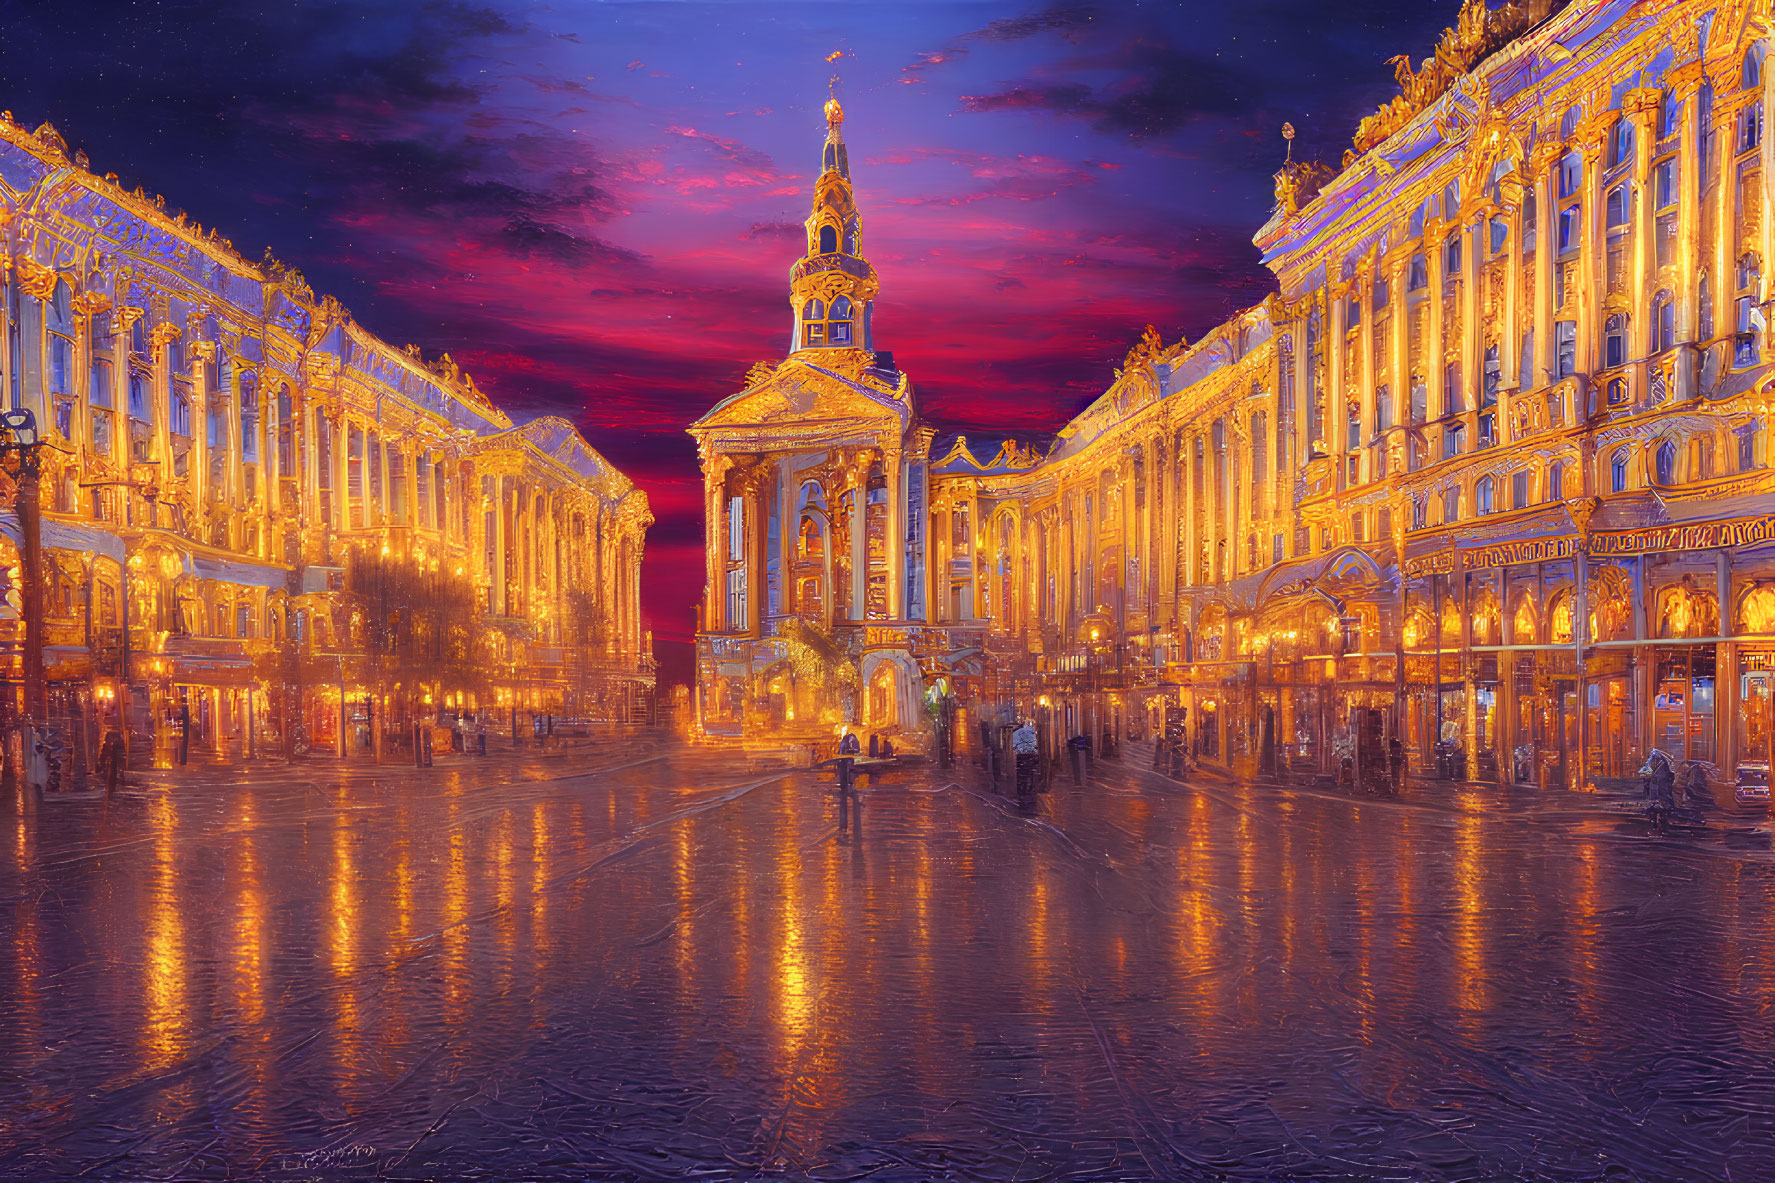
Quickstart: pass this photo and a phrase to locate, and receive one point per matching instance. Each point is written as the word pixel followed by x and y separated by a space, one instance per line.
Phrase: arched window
pixel 1752 75
pixel 1618 471
pixel 839 330
pixel 1663 323
pixel 1556 482
pixel 1482 495
pixel 1614 341
pixel 828 240
pixel 1664 464
pixel 1418 275
pixel 1670 116
pixel 813 322
pixel 286 437
pixel 1617 392
pixel 249 420
pixel 61 343
pixel 1568 126
pixel 1622 142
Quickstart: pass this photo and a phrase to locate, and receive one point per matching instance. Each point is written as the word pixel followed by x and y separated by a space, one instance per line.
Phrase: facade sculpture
pixel 1487 475
pixel 267 531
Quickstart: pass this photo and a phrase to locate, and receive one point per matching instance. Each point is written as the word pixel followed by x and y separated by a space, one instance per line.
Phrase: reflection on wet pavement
pixel 677 970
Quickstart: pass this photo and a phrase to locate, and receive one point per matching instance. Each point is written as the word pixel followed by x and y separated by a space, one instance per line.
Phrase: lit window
pixel 1614 341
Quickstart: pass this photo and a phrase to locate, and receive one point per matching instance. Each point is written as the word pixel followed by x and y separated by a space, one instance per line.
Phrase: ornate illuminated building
pixel 257 513
pixel 1488 474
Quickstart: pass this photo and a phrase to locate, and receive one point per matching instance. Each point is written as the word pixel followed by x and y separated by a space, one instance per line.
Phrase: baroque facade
pixel 1487 475
pixel 259 517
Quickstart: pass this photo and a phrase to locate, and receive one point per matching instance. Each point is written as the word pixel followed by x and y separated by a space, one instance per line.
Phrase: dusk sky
pixel 594 207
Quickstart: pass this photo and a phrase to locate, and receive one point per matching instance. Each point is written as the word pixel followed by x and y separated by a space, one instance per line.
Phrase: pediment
pixel 803 395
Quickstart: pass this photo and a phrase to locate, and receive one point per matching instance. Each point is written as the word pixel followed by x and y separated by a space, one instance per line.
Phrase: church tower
pixel 832 288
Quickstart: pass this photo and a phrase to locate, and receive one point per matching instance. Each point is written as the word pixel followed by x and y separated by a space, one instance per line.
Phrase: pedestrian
pixel 1660 789
pixel 848 749
pixel 1026 750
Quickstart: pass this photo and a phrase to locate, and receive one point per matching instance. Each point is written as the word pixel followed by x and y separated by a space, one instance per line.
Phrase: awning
pixel 249 574
pixel 67 536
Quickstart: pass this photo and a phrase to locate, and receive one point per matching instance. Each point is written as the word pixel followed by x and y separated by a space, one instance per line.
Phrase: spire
pixel 832 289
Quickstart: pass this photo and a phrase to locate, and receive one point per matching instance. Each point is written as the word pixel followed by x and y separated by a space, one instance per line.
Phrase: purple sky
pixel 594 207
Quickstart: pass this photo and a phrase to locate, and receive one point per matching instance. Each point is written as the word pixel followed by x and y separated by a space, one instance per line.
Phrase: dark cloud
pixel 1056 18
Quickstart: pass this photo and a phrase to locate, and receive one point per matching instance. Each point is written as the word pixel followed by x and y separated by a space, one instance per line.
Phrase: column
pixel 1545 162
pixel 1593 256
pixel 1435 352
pixel 496 576
pixel 1642 106
pixel 895 550
pixel 1336 380
pixel 1685 83
pixel 859 538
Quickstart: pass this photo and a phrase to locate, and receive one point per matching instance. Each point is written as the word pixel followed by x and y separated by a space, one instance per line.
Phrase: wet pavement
pixel 670 968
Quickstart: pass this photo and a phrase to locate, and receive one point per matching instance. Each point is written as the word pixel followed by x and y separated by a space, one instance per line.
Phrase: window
pixel 1519 494
pixel 1528 223
pixel 1617 207
pixel 1494 377
pixel 1452 401
pixel 1571 221
pixel 1418 274
pixel 1747 447
pixel 1670 116
pixel 61 339
pixel 1415 229
pixel 1451 504
pixel 1571 174
pixel 1663 323
pixel 181 415
pixel 1702 468
pixel 1451 200
pixel 1704 309
pixel 1621 143
pixel 1618 471
pixel 1568 124
pixel 249 421
pixel 98 401
pixel 1356 527
pixel 1751 76
pixel 1664 464
pixel 1451 441
pixel 1383 409
pixel 1488 430
pixel 1418 514
pixel 1482 496
pixel 813 328
pixel 839 329
pixel 1664 183
pixel 1617 392
pixel 1500 234
pixel 1565 348
pixel 1556 482
pixel 1750 127
pixel 1352 313
pixel 1451 254
pixel 1614 341
pixel 828 240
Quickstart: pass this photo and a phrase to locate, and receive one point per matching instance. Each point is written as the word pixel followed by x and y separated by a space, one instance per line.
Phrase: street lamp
pixel 19 453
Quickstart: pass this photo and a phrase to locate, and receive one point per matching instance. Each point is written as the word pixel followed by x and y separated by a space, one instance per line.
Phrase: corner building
pixel 1487 475
pixel 259 516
